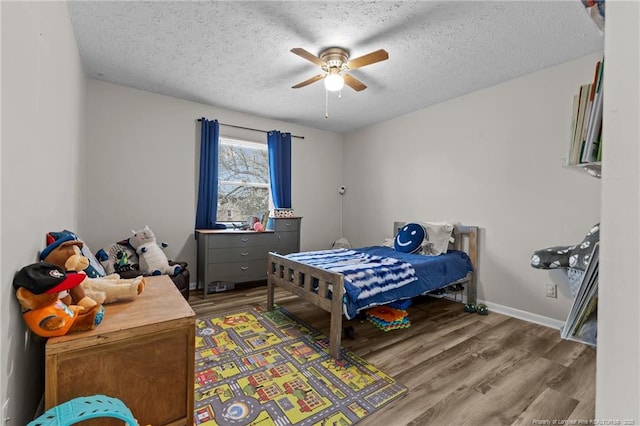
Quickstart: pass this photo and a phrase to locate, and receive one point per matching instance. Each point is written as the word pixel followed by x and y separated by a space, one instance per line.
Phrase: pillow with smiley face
pixel 409 238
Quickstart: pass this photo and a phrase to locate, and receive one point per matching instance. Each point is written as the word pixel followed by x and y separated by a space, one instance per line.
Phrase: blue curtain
pixel 279 145
pixel 208 186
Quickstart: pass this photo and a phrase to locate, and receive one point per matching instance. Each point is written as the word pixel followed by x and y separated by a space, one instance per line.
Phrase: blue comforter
pixel 364 275
pixel 378 275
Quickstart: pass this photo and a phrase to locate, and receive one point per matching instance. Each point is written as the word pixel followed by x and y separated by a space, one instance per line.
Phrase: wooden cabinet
pixel 142 353
pixel 287 233
pixel 232 256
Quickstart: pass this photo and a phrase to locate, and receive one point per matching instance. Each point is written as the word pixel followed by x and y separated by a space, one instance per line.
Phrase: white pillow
pixel 437 238
pixel 388 242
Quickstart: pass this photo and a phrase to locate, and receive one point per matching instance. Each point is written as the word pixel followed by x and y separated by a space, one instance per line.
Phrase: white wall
pixel 487 133
pixel 142 169
pixel 618 362
pixel 42 113
pixel 493 159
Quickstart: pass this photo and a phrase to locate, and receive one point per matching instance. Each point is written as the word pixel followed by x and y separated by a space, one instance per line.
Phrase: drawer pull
pixel 244 254
pixel 244 268
pixel 287 224
pixel 244 240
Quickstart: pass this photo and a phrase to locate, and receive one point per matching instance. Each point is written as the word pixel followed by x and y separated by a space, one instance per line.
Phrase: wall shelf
pixel 592 169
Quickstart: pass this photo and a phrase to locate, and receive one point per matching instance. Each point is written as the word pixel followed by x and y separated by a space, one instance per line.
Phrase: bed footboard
pixel 316 286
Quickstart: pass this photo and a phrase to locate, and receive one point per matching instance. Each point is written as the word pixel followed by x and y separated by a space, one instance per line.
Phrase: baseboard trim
pixel 524 315
pixel 495 307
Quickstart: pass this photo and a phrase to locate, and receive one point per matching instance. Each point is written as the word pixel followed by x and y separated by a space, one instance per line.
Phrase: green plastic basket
pixel 85 408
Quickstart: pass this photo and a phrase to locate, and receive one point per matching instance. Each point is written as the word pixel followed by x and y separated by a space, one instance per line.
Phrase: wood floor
pixel 460 368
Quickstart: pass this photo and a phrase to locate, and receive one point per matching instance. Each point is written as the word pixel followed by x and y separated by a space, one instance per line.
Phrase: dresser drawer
pixel 237 271
pixel 249 239
pixel 235 254
pixel 284 225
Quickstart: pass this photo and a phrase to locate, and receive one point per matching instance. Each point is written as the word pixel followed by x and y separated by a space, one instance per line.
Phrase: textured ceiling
pixel 235 54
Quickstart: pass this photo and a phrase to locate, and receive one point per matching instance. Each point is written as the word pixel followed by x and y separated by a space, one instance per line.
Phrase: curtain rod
pixel 249 128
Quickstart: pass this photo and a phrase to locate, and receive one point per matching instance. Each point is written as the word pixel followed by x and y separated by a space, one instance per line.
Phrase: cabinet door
pixel 288 242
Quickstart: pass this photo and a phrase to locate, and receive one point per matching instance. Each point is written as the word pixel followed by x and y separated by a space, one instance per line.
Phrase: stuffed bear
pixel 107 289
pixel 37 288
pixel 152 259
pixel 67 256
pixel 113 288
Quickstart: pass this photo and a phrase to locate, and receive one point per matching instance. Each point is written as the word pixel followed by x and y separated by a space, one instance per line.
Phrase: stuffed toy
pixel 118 258
pixel 152 259
pixel 108 289
pixel 94 269
pixel 409 238
pixel 66 255
pixel 37 288
pixel 576 256
pixel 112 288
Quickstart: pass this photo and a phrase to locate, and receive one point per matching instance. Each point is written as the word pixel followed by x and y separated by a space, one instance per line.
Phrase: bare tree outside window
pixel 243 174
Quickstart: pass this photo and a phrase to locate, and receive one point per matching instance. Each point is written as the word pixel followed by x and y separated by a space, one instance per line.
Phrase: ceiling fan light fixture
pixel 334 82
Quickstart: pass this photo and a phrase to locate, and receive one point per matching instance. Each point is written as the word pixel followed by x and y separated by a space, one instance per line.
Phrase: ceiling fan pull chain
pixel 326 104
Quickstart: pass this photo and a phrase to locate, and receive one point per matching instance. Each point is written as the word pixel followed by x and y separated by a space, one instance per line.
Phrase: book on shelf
pixel 582 320
pixel 574 123
pixel 586 140
pixel 595 118
pixel 574 157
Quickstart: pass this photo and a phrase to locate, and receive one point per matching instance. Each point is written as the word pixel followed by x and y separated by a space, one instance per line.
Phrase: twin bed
pixel 347 281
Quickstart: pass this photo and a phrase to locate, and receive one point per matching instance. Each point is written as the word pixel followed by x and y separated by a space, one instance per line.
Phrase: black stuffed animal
pixel 577 256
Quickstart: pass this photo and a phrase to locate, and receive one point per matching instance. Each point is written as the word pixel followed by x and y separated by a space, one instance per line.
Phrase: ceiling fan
pixel 335 63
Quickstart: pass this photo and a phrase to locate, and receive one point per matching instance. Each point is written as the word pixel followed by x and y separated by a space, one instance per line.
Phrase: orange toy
pixel 37 288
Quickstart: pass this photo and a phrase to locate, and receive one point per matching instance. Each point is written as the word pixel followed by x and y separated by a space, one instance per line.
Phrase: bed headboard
pixel 465 239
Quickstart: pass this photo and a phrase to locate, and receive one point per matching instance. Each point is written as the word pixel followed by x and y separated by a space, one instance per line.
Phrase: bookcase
pixel 585 153
pixel 585 142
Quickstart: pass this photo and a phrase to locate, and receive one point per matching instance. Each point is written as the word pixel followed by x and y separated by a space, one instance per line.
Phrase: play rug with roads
pixel 255 367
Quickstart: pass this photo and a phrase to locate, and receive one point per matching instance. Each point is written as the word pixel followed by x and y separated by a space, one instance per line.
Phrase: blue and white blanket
pixel 365 275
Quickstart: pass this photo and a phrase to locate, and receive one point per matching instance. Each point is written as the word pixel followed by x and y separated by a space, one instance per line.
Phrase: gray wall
pixel 493 159
pixel 142 166
pixel 43 91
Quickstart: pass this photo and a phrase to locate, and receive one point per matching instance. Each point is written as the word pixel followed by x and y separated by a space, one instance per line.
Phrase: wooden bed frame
pixel 315 285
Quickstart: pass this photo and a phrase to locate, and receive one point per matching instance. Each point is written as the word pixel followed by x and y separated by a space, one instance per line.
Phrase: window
pixel 243 179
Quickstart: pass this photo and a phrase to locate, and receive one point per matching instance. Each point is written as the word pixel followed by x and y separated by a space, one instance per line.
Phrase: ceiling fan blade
pixel 354 83
pixel 308 56
pixel 308 81
pixel 368 59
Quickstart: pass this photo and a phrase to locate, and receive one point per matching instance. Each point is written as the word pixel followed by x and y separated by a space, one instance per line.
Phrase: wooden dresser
pixel 141 353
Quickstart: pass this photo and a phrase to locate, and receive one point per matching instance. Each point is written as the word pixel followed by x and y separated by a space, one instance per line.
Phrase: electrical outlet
pixel 552 290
